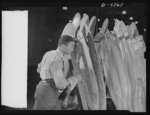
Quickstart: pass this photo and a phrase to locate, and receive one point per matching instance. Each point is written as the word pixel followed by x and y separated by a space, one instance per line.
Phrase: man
pixel 52 72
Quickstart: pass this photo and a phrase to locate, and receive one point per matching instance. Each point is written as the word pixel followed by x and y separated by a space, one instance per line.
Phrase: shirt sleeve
pixel 57 71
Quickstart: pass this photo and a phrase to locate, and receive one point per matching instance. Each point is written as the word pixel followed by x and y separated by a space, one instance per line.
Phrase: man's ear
pixel 64 47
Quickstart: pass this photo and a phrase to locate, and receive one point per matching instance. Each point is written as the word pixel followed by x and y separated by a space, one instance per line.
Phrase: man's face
pixel 70 47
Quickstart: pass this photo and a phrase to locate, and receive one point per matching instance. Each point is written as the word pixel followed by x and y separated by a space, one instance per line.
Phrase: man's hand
pixel 77 75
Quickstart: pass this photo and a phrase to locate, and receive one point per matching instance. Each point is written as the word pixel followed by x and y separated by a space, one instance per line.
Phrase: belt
pixel 52 85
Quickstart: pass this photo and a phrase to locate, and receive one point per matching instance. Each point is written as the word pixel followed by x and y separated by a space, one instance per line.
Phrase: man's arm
pixel 57 71
pixel 60 81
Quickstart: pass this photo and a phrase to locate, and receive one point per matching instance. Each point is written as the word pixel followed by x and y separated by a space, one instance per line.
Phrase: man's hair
pixel 65 39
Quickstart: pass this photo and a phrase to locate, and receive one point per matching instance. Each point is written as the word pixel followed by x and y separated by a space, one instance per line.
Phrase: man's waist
pixel 52 84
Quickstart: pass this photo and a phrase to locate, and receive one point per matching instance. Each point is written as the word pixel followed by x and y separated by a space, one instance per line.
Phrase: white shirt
pixel 52 66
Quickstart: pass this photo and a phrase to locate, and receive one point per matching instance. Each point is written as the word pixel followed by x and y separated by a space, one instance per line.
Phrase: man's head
pixel 66 44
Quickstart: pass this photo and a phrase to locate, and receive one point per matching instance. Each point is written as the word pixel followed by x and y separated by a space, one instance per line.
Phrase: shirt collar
pixel 61 54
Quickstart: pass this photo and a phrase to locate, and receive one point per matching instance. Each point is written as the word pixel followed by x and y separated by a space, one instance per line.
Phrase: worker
pixel 53 77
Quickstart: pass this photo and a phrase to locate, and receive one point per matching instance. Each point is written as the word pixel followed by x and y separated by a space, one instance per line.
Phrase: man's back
pixel 46 64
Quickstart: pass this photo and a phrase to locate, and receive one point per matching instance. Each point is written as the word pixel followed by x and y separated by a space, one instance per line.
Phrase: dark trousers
pixel 46 96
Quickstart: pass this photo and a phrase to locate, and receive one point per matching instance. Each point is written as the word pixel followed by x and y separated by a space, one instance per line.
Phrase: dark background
pixel 45 25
